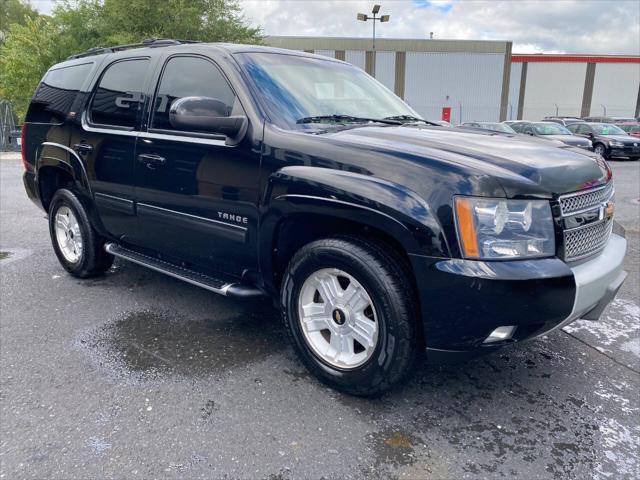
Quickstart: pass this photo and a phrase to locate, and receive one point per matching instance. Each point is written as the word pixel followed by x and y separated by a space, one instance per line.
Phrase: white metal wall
pixel 386 69
pixel 616 88
pixel 551 84
pixel 469 83
pixel 355 57
pixel 514 91
pixel 326 53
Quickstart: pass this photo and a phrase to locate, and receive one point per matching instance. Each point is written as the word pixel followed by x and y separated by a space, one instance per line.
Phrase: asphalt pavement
pixel 138 375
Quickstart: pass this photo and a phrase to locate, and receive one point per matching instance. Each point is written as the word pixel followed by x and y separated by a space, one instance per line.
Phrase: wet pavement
pixel 137 375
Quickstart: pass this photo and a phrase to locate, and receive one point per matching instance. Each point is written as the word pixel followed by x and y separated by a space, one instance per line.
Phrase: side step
pixel 221 287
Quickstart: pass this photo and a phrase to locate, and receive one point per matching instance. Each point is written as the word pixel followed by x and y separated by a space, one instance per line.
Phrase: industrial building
pixel 466 80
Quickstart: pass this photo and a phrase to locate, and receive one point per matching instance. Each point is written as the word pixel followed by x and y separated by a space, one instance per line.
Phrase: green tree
pixel 25 56
pixel 115 22
pixel 35 43
pixel 14 11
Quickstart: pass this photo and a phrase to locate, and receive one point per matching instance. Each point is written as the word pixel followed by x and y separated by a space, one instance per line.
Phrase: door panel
pixel 105 138
pixel 198 200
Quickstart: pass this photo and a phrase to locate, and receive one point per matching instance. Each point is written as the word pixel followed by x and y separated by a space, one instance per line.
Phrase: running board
pixel 221 287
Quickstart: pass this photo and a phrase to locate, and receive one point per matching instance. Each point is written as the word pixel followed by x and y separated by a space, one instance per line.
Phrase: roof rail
pixel 150 42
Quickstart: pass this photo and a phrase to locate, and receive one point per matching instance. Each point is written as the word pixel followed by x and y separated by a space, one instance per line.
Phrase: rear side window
pixel 189 77
pixel 56 93
pixel 119 94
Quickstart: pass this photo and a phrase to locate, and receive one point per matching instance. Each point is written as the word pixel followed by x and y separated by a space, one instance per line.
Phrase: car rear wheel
pixel 79 248
pixel 350 312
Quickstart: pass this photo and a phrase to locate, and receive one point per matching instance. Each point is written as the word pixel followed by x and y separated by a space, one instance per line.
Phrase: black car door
pixel 196 192
pixel 104 137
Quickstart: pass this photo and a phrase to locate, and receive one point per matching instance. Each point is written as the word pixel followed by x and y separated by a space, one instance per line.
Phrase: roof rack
pixel 150 42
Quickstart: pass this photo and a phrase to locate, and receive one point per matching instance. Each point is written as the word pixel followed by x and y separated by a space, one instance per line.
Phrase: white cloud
pixel 549 26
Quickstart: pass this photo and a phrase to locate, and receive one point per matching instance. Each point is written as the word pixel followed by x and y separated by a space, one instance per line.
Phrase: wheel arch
pixel 58 166
pixel 303 204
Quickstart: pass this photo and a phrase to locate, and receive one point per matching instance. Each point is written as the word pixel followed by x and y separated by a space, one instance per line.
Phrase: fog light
pixel 500 333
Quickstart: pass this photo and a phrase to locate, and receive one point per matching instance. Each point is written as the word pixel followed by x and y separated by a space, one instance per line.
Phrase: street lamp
pixel 364 17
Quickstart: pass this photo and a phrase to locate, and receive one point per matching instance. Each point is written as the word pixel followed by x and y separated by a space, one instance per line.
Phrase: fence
pixel 8 124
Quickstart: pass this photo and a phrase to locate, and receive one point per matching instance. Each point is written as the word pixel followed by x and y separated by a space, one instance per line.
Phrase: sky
pixel 534 26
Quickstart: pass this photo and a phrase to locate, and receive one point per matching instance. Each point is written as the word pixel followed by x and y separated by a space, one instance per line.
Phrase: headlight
pixel 497 228
pixel 613 143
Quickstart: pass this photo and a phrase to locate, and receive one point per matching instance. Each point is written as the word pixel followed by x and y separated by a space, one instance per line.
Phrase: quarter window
pixel 189 77
pixel 120 94
pixel 57 92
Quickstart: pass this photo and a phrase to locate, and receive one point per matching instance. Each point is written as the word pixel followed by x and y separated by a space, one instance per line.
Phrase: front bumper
pixel 464 301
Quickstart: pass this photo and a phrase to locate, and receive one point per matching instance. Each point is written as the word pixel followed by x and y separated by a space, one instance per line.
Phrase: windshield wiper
pixel 346 119
pixel 411 118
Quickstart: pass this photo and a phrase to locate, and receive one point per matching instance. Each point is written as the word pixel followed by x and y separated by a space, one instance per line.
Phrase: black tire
pixel 93 260
pixel 384 275
pixel 605 152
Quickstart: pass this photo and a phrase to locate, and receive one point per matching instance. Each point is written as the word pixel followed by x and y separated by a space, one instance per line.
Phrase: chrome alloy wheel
pixel 599 150
pixel 68 234
pixel 338 318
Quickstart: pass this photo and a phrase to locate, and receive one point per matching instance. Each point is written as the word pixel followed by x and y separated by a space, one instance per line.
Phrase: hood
pixel 570 139
pixel 521 167
pixel 626 139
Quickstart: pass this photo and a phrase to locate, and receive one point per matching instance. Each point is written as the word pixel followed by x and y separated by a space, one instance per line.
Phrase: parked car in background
pixel 609 119
pixel 608 140
pixel 551 131
pixel 632 128
pixel 563 120
pixel 492 126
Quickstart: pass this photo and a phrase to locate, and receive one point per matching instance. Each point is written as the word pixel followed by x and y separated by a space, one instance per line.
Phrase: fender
pixel 64 158
pixel 60 156
pixel 349 196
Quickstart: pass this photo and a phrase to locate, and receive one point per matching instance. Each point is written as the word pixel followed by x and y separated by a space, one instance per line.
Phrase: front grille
pixel 581 201
pixel 589 239
pixel 585 241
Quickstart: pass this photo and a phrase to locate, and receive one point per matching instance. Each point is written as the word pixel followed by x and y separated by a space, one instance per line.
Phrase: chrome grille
pixel 585 241
pixel 591 238
pixel 580 201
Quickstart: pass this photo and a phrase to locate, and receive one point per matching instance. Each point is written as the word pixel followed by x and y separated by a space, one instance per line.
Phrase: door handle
pixel 83 148
pixel 152 161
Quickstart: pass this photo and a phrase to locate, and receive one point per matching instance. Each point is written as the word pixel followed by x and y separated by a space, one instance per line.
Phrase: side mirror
pixel 205 114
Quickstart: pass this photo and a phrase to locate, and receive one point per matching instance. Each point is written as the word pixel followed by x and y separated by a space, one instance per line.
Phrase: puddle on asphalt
pixel 394 447
pixel 148 345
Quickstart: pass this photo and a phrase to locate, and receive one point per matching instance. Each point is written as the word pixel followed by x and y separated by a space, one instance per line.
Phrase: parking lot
pixel 137 375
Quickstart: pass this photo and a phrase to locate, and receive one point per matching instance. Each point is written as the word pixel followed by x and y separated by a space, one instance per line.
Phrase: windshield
pixel 630 128
pixel 296 87
pixel 607 129
pixel 497 127
pixel 550 129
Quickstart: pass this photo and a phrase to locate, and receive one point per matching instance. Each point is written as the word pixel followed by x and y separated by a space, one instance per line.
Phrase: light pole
pixel 383 18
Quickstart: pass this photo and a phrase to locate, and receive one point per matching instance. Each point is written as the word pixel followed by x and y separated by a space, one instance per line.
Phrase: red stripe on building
pixel 575 58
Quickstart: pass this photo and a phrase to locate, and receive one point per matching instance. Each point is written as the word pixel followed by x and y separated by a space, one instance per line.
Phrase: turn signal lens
pixel 467 228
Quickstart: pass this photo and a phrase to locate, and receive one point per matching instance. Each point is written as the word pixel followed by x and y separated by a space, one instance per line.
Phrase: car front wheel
pixel 350 312
pixel 601 150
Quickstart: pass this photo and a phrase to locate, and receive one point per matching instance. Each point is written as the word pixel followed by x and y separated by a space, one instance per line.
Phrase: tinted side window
pixel 189 77
pixel 119 94
pixel 517 127
pixel 56 93
pixel 583 129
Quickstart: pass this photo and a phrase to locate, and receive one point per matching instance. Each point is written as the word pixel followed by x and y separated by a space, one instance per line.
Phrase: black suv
pixel 254 171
